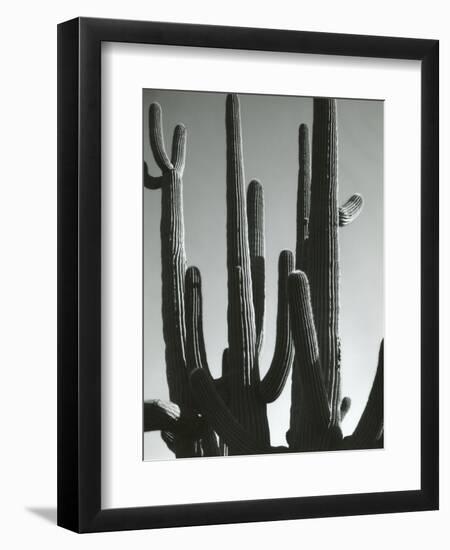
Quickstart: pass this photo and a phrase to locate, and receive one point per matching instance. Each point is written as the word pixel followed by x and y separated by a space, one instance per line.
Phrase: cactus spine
pixel 229 415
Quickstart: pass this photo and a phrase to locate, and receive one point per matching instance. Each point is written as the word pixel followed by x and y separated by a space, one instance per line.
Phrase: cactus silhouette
pixel 228 416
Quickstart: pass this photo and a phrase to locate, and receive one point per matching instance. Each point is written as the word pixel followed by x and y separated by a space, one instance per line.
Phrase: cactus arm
pixel 195 348
pixel 218 415
pixel 323 249
pixel 273 382
pixel 303 197
pixel 152 182
pixel 179 148
pixel 157 138
pixel 195 343
pixel 369 431
pixel 350 210
pixel 345 407
pixel 160 415
pixel 255 222
pixel 167 416
pixel 310 412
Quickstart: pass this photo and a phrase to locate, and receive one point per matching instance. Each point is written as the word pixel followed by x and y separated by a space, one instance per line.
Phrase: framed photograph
pixel 248 275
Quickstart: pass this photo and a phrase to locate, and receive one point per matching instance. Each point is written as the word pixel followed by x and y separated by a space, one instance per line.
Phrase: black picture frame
pixel 79 274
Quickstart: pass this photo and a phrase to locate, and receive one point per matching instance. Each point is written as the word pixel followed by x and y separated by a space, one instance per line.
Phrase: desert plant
pixel 229 415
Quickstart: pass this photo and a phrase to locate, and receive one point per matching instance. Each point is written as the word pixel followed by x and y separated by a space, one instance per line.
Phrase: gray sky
pixel 270 142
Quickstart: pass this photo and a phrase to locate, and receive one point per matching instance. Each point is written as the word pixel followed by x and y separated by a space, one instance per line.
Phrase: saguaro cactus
pixel 173 264
pixel 316 405
pixel 229 415
pixel 245 404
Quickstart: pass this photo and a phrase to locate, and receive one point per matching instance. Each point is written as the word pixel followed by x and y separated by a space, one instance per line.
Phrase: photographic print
pixel 263 313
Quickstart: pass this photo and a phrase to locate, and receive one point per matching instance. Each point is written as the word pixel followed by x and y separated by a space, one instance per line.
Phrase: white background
pixel 28 275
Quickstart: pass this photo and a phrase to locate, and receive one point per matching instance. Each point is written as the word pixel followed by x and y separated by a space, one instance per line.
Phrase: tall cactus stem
pixel 255 217
pixel 238 252
pixel 323 249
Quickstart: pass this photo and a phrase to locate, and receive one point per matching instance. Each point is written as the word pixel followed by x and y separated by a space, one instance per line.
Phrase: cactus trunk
pixel 323 248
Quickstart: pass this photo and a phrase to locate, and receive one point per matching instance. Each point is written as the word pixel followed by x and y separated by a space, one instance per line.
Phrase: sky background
pixel 270 143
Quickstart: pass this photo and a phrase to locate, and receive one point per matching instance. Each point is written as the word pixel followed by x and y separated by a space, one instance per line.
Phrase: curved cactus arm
pixel 195 343
pixel 152 182
pixel 157 138
pixel 218 415
pixel 255 222
pixel 350 210
pixel 369 431
pixel 160 415
pixel 310 412
pixel 167 416
pixel 273 382
pixel 303 197
pixel 323 246
pixel 178 159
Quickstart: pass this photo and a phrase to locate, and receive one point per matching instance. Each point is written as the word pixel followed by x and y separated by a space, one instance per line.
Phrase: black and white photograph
pixel 263 274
